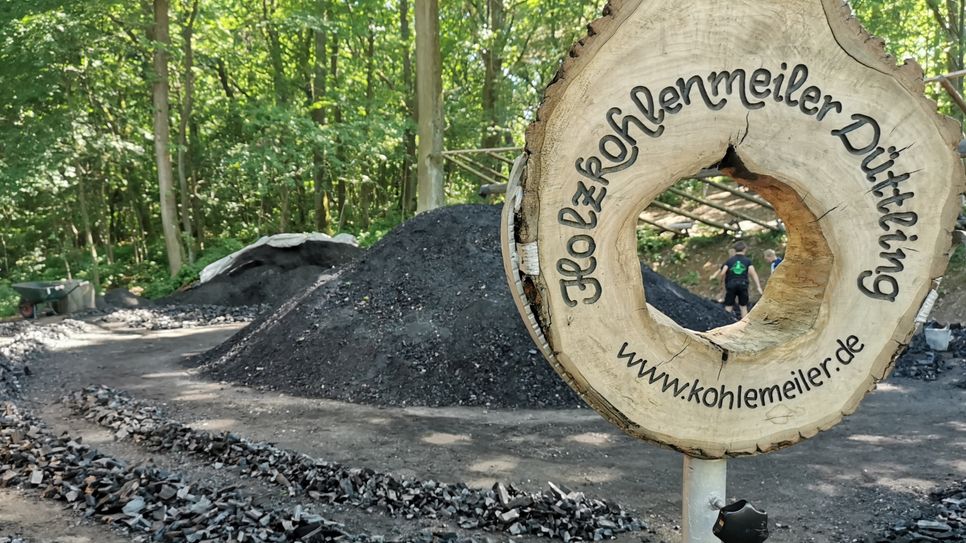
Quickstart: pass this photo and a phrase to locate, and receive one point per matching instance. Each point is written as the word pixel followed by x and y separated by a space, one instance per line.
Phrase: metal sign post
pixel 703 495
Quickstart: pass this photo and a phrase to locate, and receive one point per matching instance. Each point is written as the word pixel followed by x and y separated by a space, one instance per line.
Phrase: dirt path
pixel 907 439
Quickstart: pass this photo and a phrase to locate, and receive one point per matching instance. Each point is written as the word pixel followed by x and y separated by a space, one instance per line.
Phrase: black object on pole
pixel 740 522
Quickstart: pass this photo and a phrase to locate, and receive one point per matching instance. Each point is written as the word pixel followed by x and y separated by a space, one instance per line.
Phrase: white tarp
pixel 281 241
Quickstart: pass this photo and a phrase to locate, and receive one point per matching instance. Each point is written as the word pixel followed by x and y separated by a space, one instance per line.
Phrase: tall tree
pixel 169 220
pixel 429 92
pixel 319 178
pixel 187 101
pixel 408 189
pixel 494 130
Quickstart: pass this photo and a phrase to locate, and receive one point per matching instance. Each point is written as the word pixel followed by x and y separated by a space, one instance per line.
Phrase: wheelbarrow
pixel 36 294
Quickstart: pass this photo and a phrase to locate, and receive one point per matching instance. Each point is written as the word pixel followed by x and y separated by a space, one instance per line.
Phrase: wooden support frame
pixel 661 227
pixel 493 181
pixel 693 216
pixel 731 212
pixel 736 192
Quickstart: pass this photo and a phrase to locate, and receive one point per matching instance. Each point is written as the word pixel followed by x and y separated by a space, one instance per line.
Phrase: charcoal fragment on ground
pixel 424 317
pixel 921 362
pixel 558 513
pixel 943 519
pixel 142 499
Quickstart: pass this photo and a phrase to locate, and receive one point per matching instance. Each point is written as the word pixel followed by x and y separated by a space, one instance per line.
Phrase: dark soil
pixel 425 317
pixel 269 275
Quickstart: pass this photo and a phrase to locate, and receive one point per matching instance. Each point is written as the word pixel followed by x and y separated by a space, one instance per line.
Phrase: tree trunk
pixel 429 91
pixel 184 157
pixel 492 76
pixel 408 182
pixel 281 98
pixel 197 210
pixel 340 188
pixel 284 206
pixel 169 206
pixel 275 54
pixel 88 236
pixel 318 115
pixel 366 186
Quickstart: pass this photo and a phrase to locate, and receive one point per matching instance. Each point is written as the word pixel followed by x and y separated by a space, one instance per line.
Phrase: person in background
pixel 734 277
pixel 772 259
pixel 720 297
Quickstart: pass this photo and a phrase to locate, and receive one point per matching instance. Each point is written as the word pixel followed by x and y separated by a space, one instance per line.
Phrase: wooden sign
pixel 798 103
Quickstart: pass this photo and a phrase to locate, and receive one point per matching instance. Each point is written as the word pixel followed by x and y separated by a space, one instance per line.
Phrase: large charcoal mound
pixel 269 275
pixel 423 318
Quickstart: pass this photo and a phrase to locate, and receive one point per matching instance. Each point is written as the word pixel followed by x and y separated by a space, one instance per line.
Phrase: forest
pixel 269 116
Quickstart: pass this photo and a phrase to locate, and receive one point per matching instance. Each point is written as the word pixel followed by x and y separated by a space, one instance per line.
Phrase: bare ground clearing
pixel 907 439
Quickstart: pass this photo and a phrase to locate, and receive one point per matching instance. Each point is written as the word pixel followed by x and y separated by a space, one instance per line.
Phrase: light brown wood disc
pixel 795 101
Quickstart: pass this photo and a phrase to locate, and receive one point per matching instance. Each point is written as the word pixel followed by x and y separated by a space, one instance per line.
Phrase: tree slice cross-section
pixel 795 101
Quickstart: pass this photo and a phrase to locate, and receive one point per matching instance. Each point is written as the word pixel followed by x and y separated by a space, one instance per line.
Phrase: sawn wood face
pixel 797 102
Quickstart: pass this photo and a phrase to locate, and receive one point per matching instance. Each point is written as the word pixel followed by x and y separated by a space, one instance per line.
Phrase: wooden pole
pixel 953 93
pixel 952 75
pixel 490 190
pixel 502 159
pixel 704 494
pixel 490 171
pixel 659 226
pixel 488 150
pixel 721 208
pixel 736 192
pixel 688 214
pixel 471 169
pixel 429 97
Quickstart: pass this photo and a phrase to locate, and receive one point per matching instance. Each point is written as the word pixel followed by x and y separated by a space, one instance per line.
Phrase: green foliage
pixel 770 239
pixel 292 100
pixel 691 279
pixel 9 300
pixel 651 244
pixel 957 262
pixel 379 228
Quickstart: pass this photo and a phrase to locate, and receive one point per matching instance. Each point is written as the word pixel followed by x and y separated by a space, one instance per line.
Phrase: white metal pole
pixel 704 494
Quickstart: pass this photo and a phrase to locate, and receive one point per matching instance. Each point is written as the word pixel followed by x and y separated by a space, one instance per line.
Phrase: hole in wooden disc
pixel 792 301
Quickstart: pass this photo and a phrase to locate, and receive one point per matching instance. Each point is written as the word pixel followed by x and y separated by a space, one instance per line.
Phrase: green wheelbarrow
pixel 36 294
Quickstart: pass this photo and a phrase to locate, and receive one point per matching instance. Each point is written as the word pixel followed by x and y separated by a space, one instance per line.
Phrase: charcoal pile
pixel 944 521
pixel 688 310
pixel 170 317
pixel 921 362
pixel 122 298
pixel 144 499
pixel 424 317
pixel 558 513
pixel 267 273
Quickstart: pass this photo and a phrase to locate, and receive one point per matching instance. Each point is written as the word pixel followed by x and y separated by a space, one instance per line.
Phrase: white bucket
pixel 938 338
